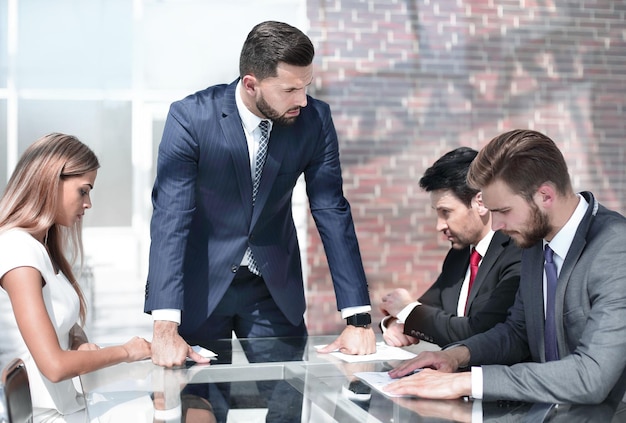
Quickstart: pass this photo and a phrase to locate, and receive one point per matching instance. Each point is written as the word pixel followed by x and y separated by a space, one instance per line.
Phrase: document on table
pixel 383 352
pixel 204 352
pixel 378 380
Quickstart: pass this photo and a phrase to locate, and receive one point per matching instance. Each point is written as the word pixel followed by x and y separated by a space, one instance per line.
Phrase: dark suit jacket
pixel 591 325
pixel 493 292
pixel 203 218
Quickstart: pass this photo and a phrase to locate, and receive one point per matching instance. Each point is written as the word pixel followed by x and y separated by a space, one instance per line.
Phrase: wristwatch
pixel 361 320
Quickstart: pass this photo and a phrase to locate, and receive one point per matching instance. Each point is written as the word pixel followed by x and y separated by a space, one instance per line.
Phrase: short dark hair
pixel 524 160
pixel 449 172
pixel 270 43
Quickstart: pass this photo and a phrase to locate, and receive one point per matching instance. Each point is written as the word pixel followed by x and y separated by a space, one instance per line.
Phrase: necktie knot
pixel 475 257
pixel 548 254
pixel 264 126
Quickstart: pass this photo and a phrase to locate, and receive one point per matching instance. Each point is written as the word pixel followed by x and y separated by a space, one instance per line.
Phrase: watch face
pixel 361 319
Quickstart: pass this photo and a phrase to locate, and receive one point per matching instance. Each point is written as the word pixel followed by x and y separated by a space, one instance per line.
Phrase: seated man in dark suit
pixel 462 301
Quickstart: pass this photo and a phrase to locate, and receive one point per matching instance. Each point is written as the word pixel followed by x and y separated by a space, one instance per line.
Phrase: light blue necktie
pixel 552 350
pixel 259 162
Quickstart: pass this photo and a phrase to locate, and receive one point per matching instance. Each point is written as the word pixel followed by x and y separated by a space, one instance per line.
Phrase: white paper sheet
pixel 383 352
pixel 204 352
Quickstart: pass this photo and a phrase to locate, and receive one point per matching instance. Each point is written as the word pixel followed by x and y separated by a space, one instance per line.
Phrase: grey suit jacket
pixel 591 307
pixel 493 292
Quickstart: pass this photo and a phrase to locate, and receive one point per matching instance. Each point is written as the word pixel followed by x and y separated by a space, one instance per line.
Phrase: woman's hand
pixel 137 349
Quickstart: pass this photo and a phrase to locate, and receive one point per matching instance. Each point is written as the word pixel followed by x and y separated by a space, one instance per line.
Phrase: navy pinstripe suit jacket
pixel 203 219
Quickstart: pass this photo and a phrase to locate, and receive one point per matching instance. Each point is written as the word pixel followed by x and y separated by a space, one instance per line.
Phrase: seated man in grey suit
pixel 569 314
pixel 457 305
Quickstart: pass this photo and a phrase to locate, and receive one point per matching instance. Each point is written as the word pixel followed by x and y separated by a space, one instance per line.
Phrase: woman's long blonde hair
pixel 31 197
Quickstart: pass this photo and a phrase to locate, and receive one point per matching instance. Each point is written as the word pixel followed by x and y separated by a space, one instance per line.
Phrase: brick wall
pixel 410 80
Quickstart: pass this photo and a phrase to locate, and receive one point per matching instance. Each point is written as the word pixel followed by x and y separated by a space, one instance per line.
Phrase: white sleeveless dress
pixel 51 401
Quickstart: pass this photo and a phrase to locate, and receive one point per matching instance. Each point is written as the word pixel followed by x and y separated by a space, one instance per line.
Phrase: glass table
pixel 286 380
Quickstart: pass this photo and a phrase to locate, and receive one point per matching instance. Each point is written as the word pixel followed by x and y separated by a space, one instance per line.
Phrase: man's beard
pixel 462 240
pixel 537 228
pixel 271 114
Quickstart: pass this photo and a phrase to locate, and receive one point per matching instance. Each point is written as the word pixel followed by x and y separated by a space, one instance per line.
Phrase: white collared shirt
pixel 562 241
pixel 250 123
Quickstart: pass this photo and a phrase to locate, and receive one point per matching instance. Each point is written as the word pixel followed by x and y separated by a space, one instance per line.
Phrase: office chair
pixel 17 400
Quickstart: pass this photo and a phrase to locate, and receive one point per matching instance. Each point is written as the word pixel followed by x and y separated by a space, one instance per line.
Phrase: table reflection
pixel 282 402
pixel 286 380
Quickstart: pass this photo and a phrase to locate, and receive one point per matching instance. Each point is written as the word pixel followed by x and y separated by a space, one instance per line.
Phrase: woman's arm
pixel 79 340
pixel 24 286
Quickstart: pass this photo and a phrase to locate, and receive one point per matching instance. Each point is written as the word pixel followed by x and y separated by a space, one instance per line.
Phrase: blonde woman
pixel 42 307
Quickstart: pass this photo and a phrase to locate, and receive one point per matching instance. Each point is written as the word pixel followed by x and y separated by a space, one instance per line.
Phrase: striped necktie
pixel 259 162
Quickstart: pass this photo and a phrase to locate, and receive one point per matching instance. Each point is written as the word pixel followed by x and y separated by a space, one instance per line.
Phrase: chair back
pixel 4 417
pixel 16 398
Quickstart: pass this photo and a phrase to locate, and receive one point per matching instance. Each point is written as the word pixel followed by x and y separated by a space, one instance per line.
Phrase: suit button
pixel 234 268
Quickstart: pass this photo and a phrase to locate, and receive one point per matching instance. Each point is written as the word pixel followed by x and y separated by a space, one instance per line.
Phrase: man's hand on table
pixel 440 383
pixel 169 349
pixel 448 361
pixel 353 340
pixel 433 384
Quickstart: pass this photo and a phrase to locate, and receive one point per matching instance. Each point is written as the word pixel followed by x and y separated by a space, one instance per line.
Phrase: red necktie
pixel 474 260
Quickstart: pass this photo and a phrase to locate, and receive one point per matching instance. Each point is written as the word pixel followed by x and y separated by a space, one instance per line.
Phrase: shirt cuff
pixel 351 311
pixel 404 313
pixel 170 314
pixel 173 414
pixel 477 382
pixel 384 320
pixel 477 411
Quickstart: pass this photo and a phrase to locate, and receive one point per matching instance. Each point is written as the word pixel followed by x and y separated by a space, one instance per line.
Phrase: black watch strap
pixel 362 320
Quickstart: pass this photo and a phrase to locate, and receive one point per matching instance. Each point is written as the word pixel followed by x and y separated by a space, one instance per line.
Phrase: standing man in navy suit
pixel 221 263
pixel 455 307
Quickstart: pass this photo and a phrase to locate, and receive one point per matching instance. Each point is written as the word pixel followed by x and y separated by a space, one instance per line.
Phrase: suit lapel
pixel 575 249
pixel 458 268
pixel 491 256
pixel 532 277
pixel 276 147
pixel 569 263
pixel 236 140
